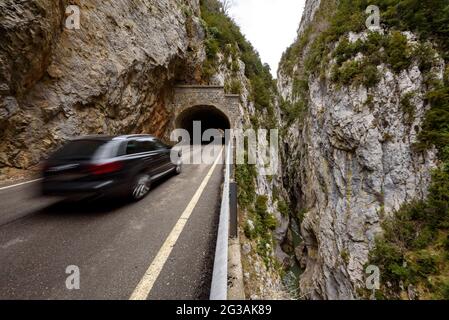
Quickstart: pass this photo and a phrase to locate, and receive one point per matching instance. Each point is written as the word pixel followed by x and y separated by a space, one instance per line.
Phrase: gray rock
pixel 340 166
pixel 112 76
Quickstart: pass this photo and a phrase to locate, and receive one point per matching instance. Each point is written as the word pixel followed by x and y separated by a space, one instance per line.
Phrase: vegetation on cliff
pixel 414 250
pixel 227 47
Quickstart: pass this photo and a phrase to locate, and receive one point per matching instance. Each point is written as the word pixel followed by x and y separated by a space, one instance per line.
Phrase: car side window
pixel 148 146
pixel 159 144
pixel 133 147
pixel 139 146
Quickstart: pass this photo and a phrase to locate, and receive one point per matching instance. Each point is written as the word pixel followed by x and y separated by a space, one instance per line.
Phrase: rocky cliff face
pixel 111 76
pixel 114 75
pixel 348 155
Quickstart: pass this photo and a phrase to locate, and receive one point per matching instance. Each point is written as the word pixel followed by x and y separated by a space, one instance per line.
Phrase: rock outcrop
pixel 111 76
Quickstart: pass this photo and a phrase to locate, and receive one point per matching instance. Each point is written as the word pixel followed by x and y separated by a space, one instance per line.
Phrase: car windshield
pixel 83 150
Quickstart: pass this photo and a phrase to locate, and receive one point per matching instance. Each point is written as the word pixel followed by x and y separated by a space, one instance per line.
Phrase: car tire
pixel 178 169
pixel 140 187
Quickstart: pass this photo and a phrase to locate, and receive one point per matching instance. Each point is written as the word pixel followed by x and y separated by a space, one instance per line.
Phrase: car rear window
pixel 83 150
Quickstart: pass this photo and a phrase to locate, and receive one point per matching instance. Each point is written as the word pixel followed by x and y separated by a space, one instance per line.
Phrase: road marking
pixel 20 184
pixel 145 285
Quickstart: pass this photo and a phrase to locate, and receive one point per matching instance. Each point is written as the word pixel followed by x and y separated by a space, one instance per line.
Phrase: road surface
pixel 113 244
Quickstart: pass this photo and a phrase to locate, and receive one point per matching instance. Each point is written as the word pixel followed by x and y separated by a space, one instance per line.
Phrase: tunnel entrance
pixel 210 117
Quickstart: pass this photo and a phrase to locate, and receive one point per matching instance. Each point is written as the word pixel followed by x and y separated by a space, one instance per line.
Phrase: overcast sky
pixel 270 25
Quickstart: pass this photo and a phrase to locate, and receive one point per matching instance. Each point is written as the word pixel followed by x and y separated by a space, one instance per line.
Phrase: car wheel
pixel 141 187
pixel 178 169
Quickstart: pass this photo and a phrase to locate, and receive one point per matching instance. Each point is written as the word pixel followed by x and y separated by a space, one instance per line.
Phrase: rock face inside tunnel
pixel 206 104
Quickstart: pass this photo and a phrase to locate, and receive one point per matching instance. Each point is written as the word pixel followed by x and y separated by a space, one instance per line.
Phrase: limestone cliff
pixel 111 76
pixel 353 107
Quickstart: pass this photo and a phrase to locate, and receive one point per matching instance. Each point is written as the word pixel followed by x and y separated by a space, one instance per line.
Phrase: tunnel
pixel 210 117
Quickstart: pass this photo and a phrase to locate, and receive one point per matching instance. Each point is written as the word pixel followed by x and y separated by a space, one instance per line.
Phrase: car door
pixel 153 157
pixel 165 152
pixel 139 157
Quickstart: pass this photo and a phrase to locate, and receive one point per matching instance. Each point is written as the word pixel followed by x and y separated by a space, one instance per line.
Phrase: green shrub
pixel 268 221
pixel 398 52
pixel 371 76
pixel 345 256
pixel 300 88
pixel 212 48
pixel 260 94
pixel 356 72
pixel 245 175
pixel 261 231
pixel 426 235
pixel 425 264
pixel 446 244
pixel 234 87
pixel 408 108
pixel 283 208
pixel 250 231
pixel 425 55
pixel 235 67
pixel 409 250
pixel 301 215
pixel 292 111
pixel 435 129
pixel 349 72
pixel 445 291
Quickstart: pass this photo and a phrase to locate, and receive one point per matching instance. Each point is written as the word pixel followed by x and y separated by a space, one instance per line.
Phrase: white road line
pixel 145 285
pixel 20 184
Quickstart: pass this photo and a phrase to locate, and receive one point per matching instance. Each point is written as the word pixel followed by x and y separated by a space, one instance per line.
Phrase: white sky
pixel 270 25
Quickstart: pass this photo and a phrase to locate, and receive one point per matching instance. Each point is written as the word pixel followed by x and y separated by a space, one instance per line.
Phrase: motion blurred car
pixel 99 166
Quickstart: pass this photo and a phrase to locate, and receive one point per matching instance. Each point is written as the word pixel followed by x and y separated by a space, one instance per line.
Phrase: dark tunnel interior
pixel 209 116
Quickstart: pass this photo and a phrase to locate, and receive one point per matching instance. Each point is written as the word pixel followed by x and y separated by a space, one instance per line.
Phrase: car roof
pixel 110 138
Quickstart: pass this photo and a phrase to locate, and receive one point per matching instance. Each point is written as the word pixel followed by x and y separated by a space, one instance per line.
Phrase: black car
pixel 98 166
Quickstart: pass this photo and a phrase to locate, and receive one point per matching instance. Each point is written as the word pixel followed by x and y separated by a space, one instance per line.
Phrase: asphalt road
pixel 111 242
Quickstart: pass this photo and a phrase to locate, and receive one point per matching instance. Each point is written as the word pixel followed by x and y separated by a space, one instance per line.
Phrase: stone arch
pixel 206 117
pixel 208 104
pixel 207 98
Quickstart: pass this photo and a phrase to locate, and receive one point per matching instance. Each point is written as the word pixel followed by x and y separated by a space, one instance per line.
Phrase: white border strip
pixel 20 184
pixel 219 287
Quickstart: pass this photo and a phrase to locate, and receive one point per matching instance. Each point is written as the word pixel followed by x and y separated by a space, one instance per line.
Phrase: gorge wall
pixel 353 103
pixel 109 77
